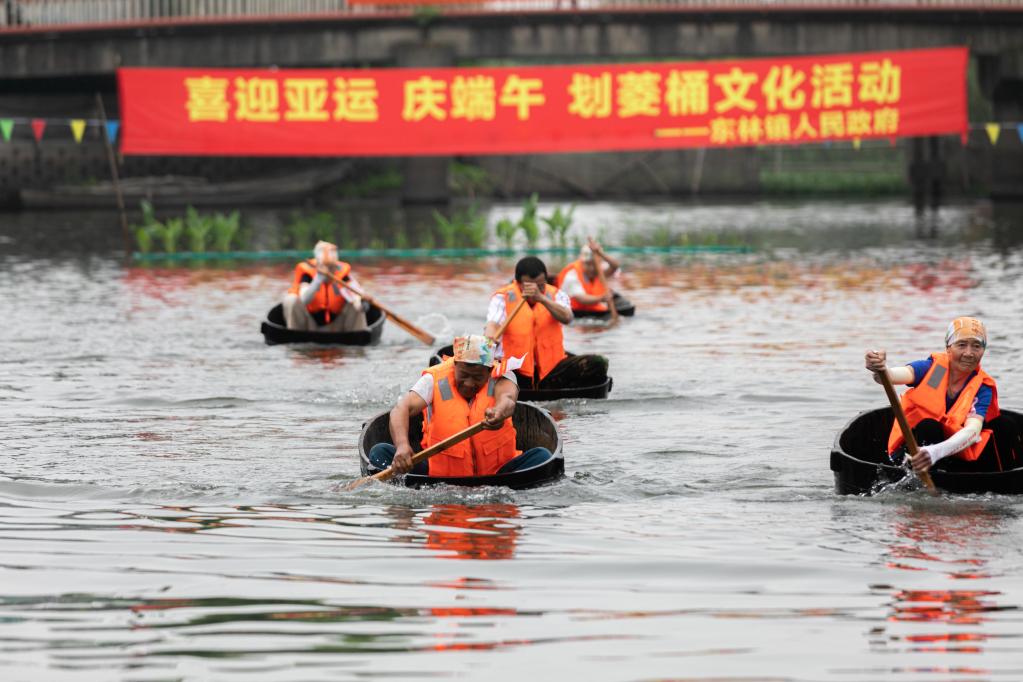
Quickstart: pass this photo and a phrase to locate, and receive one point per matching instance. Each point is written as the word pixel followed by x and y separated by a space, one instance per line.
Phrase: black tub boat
pixel 598 391
pixel 860 462
pixel 623 305
pixel 274 331
pixel 533 426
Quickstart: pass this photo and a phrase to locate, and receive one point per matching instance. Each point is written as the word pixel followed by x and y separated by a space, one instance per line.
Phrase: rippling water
pixel 168 484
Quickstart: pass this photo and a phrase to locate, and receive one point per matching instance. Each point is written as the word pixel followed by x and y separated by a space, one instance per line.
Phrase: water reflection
pixel 485 532
pixel 955 541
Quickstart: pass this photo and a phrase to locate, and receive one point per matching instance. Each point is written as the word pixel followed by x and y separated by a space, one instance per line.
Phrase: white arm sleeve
pixel 571 284
pixel 424 388
pixel 496 312
pixel 308 290
pixel 960 440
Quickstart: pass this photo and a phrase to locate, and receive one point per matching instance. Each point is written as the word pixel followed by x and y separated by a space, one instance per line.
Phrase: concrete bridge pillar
pixel 425 177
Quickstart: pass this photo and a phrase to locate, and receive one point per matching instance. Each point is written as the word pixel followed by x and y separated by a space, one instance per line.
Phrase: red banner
pixel 509 110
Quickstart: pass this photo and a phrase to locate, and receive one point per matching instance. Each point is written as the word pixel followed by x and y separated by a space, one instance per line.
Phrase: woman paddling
pixel 950 404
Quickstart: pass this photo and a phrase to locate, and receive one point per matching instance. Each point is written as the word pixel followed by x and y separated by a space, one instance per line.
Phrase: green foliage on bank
pixel 194 231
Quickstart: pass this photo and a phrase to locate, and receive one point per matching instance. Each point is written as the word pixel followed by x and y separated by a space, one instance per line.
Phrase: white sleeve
pixel 510 375
pixel 348 294
pixel 571 284
pixel 496 312
pixel 307 290
pixel 424 388
pixel 561 298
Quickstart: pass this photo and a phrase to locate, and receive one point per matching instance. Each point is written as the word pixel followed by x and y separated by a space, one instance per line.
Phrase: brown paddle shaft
pixel 911 446
pixel 397 319
pixel 422 455
pixel 515 311
pixel 603 282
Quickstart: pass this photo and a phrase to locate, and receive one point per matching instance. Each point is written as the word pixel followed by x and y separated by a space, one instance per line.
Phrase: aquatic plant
pixel 426 240
pixel 305 230
pixel 197 228
pixel 401 240
pixel 528 223
pixel 558 225
pixel 464 229
pixel 172 229
pixel 144 239
pixel 506 230
pixel 225 227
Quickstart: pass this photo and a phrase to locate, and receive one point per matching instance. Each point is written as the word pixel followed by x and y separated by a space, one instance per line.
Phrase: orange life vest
pixel 593 288
pixel 534 333
pixel 927 401
pixel 328 298
pixel 449 413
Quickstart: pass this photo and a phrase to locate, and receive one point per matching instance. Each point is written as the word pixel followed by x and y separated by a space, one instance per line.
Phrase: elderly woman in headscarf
pixel 949 402
pixel 459 392
pixel 317 301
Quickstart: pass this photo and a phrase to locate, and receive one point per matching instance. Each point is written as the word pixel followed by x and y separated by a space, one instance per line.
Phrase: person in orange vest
pixel 465 389
pixel 535 332
pixel 950 405
pixel 317 303
pixel 579 279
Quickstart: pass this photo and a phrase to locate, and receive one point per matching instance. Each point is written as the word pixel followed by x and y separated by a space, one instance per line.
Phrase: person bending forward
pixel 535 332
pixel 452 396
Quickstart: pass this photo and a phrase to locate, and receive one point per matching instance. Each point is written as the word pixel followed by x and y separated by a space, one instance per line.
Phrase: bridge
pixel 54 54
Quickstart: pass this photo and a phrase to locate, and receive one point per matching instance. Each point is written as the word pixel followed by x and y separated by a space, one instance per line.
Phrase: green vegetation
pixel 528 223
pixel 217 230
pixel 305 230
pixel 558 225
pixel 506 231
pixel 469 181
pixel 372 184
pixel 827 183
pixel 464 229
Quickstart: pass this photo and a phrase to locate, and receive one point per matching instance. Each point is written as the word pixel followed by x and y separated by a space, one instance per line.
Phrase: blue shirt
pixel 980 404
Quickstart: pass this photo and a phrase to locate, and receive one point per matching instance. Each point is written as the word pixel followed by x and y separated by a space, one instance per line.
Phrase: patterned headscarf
pixel 966 328
pixel 474 349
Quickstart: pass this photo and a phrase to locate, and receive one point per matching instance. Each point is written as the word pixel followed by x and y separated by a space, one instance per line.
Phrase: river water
pixel 169 504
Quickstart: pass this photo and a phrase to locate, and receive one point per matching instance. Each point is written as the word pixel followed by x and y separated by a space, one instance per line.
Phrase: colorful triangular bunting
pixel 38 126
pixel 856 143
pixel 78 128
pixel 112 127
pixel 1019 131
pixel 6 126
pixel 993 131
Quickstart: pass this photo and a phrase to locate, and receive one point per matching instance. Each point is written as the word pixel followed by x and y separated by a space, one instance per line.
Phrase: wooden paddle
pixel 911 446
pixel 515 311
pixel 603 282
pixel 422 455
pixel 397 319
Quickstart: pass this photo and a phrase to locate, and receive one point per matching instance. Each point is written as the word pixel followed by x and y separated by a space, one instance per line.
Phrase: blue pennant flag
pixel 1019 131
pixel 112 127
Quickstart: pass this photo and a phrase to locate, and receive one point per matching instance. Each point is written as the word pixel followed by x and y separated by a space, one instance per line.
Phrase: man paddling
pixel 463 390
pixel 317 303
pixel 950 402
pixel 535 331
pixel 582 283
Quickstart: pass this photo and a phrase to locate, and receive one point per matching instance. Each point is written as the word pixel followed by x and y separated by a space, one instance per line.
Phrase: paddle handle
pixel 515 311
pixel 422 455
pixel 907 433
pixel 415 331
pixel 603 282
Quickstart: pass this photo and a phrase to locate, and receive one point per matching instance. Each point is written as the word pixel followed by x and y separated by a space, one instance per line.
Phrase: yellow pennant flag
pixel 993 131
pixel 78 128
pixel 856 143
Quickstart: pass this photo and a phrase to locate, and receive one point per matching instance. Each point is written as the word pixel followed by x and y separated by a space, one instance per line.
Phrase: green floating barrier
pixel 360 254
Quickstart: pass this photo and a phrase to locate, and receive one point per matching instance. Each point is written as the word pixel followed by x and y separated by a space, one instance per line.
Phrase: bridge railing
pixel 40 15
